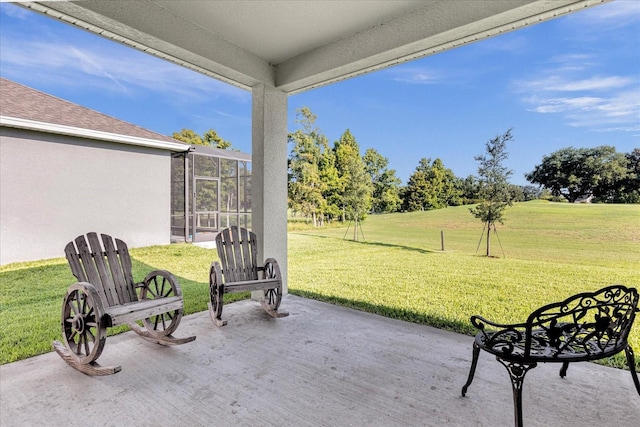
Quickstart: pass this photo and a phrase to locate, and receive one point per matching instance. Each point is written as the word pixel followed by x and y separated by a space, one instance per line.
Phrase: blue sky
pixel 573 81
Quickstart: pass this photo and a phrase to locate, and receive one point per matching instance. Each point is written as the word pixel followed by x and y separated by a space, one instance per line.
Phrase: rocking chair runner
pixel 586 326
pixel 238 253
pixel 106 296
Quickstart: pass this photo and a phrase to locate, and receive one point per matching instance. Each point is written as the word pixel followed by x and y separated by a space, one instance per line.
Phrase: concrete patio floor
pixel 323 365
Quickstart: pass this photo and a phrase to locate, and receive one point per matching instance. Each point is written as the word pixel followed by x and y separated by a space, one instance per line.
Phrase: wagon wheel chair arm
pixel 161 284
pixel 216 293
pixel 273 297
pixel 84 329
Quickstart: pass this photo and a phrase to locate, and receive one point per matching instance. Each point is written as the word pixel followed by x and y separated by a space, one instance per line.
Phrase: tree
pixel 418 195
pixel 305 186
pixel 209 139
pixel 431 186
pixel 494 184
pixel 516 193
pixel 575 173
pixel 188 136
pixel 331 189
pixel 609 174
pixel 355 183
pixel 386 191
pixel 469 188
pixel 212 139
pixel 628 190
pixel 531 192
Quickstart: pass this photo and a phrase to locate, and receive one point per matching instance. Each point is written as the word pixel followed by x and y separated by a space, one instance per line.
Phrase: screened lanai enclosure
pixel 210 191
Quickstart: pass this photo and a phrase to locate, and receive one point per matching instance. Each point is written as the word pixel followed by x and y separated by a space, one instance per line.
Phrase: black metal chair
pixel 586 326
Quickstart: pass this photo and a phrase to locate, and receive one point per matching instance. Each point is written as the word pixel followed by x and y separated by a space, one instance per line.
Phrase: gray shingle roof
pixel 23 102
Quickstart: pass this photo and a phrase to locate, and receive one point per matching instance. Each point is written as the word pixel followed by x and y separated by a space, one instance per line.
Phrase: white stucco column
pixel 269 175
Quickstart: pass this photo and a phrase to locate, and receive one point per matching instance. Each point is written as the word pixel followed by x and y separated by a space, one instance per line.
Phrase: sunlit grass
pixel 545 252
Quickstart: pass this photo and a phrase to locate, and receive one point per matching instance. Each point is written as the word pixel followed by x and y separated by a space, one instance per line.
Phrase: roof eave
pixel 19 123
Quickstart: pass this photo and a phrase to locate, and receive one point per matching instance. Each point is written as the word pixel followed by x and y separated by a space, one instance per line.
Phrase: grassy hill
pixel 544 252
pixel 599 234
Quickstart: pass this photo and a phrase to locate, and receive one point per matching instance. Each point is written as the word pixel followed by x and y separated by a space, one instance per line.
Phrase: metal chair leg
pixel 632 366
pixel 563 370
pixel 472 371
pixel 517 371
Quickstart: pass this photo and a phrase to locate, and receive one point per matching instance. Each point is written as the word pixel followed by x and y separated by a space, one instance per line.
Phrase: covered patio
pixel 323 365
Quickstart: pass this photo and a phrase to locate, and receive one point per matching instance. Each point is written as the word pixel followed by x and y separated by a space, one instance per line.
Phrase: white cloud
pixel 14 11
pixel 593 83
pixel 560 105
pixel 603 103
pixel 558 83
pixel 614 14
pixel 227 115
pixel 589 90
pixel 108 68
pixel 92 65
pixel 415 75
pixel 616 112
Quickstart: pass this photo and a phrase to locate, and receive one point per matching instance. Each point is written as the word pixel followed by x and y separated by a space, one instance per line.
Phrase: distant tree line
pixel 329 182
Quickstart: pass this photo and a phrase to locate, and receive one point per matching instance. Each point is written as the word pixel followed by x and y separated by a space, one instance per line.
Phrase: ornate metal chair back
pixel 592 322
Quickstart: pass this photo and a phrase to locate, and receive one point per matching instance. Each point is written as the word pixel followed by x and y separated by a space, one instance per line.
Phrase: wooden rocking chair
pixel 106 295
pixel 238 253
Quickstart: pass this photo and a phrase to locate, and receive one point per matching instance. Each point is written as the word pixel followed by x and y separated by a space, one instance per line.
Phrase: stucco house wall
pixel 54 188
pixel 66 170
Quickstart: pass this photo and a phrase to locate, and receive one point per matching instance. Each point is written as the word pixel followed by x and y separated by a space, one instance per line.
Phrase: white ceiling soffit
pixel 297 45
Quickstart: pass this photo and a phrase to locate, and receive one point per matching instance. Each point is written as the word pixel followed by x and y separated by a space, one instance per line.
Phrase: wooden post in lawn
pixel 355 229
pixel 442 239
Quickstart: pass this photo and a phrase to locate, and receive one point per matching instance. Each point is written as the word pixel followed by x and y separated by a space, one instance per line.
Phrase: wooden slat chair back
pixel 238 252
pixel 586 326
pixel 239 270
pixel 106 295
pixel 105 265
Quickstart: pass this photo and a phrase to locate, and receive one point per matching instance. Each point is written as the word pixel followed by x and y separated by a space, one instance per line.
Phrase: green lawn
pixel 551 251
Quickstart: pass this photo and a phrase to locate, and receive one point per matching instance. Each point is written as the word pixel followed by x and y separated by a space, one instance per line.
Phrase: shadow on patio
pixel 323 365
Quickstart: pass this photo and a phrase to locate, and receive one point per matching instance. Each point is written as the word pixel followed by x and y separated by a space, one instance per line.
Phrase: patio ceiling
pixel 297 45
